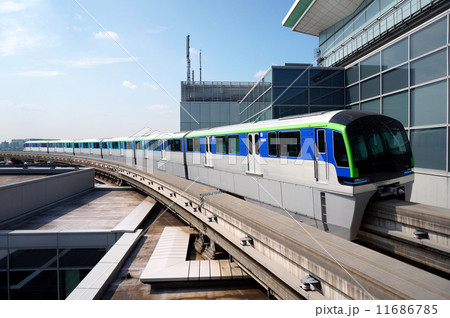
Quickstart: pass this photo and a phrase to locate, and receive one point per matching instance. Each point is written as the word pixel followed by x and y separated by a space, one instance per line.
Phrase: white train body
pixel 321 168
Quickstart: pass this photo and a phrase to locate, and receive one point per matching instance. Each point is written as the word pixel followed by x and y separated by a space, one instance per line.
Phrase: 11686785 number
pixel 407 309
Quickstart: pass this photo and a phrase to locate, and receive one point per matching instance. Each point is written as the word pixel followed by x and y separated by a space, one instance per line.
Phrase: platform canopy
pixel 314 16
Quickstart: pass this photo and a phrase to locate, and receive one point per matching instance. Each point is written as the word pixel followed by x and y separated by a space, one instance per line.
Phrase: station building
pixel 293 89
pixel 210 104
pixel 386 56
pixel 395 55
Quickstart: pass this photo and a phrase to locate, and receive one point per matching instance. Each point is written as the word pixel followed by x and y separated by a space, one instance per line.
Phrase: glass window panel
pixel 354 107
pixel 395 79
pixel 189 145
pixel 321 146
pixel 395 54
pixel 80 257
pixel 370 88
pixel 233 144
pixel 289 143
pixel 221 145
pixel 429 104
pixel 174 145
pixel 196 144
pixel 291 96
pixel 339 150
pixel 205 114
pixel 396 106
pixel 327 96
pixel 3 259
pixel 284 111
pixel 69 280
pixel 290 77
pixel 32 258
pixel 370 66
pixel 428 67
pixel 153 145
pixel 225 112
pixel 352 94
pixel 273 144
pixel 3 285
pixel 330 78
pixel 429 148
pixel 371 106
pixel 429 38
pixel 39 285
pixel 352 75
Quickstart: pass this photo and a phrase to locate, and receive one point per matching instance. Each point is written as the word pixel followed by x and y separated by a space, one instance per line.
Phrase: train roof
pixel 285 122
pixel 338 117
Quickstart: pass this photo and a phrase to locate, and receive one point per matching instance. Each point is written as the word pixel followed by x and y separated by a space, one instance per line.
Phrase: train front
pixel 380 154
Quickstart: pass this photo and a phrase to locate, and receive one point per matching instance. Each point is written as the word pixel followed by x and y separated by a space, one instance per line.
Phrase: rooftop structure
pixel 211 104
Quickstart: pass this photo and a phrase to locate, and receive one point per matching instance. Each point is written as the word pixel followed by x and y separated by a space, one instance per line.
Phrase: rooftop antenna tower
pixel 200 66
pixel 188 80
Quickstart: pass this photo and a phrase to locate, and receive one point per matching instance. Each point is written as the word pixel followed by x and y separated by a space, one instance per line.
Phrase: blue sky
pixel 101 68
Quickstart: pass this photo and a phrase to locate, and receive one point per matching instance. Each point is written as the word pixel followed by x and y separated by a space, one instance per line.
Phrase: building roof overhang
pixel 314 16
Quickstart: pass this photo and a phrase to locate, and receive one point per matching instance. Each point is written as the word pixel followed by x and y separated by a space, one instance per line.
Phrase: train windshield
pixel 380 147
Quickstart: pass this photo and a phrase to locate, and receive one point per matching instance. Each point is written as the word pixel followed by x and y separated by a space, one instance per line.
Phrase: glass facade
pixel 293 89
pixel 44 273
pixel 211 104
pixel 371 21
pixel 409 80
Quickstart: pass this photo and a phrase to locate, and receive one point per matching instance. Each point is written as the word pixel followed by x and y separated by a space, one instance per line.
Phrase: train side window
pixel 68 145
pixel 340 153
pixel 189 144
pixel 273 144
pixel 128 145
pixel 105 145
pixel 76 145
pixel 321 141
pixel 115 145
pixel 289 143
pixel 221 144
pixel 196 144
pixel 96 145
pixel 138 144
pixel 153 145
pixel 174 145
pixel 233 144
pixel 257 144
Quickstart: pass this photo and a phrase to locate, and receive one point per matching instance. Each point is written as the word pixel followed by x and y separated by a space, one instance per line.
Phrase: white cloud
pixel 194 51
pixel 90 62
pixel 106 35
pixel 128 84
pixel 259 74
pixel 16 6
pixel 15 37
pixel 160 109
pixel 152 86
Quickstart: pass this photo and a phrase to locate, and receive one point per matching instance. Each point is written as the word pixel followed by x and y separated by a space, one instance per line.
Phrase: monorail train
pixel 322 168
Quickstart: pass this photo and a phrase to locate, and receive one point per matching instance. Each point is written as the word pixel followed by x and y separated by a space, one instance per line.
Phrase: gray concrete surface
pixel 96 210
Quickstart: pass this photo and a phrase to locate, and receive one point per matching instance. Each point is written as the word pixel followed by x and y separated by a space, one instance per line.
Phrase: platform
pixel 168 262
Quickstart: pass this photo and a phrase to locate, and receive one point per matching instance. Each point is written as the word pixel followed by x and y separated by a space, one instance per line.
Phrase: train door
pixel 320 160
pixel 208 152
pixel 163 149
pixel 253 159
